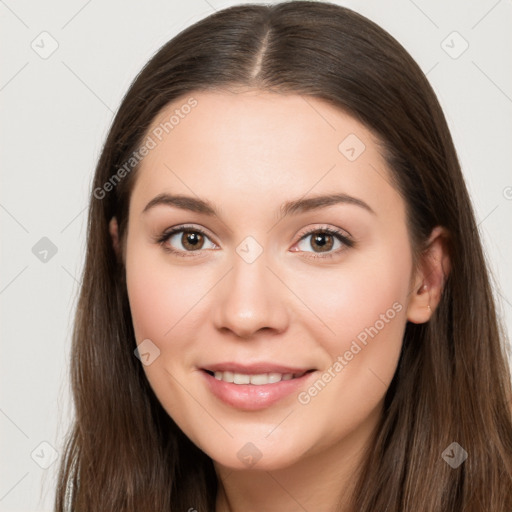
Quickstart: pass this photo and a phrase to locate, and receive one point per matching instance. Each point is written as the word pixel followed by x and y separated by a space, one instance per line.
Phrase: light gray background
pixel 55 114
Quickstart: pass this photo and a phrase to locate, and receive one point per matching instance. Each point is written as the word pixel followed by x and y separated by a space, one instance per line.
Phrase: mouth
pixel 256 379
pixel 254 387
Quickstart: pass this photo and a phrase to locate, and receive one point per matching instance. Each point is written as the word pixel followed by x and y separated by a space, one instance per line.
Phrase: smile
pixel 259 379
pixel 255 389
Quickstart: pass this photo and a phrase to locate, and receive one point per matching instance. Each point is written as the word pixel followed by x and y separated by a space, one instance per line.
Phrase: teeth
pixel 241 378
pixel 256 379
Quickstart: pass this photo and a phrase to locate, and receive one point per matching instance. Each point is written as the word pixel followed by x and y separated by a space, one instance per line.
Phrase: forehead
pixel 256 144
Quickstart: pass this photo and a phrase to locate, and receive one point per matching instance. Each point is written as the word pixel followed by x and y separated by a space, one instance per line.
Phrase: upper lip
pixel 254 368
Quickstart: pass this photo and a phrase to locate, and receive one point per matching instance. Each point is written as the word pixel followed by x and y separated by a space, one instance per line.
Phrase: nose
pixel 251 298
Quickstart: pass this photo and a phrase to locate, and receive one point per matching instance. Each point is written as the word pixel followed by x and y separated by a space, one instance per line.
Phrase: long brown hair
pixel 452 384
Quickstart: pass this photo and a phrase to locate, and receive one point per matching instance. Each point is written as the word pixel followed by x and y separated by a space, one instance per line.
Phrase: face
pixel 271 320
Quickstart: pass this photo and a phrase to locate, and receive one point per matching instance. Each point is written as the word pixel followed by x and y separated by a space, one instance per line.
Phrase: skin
pixel 247 152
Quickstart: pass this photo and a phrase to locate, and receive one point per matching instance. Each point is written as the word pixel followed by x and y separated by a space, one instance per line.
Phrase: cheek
pixel 364 305
pixel 162 308
pixel 150 306
pixel 161 296
pixel 363 291
pixel 169 304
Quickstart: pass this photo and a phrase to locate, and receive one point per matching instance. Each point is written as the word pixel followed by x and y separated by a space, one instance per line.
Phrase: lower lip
pixel 251 397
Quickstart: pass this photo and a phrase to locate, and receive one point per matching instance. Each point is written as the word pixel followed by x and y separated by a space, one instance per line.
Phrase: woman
pixel 285 305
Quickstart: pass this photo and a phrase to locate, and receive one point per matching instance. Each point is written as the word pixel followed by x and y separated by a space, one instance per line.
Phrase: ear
pixel 114 233
pixel 428 281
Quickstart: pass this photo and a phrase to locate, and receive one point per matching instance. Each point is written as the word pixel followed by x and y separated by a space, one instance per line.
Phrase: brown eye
pixel 324 240
pixel 182 240
pixel 191 240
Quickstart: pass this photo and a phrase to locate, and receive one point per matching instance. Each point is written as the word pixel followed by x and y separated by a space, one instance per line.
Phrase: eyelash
pixel 339 235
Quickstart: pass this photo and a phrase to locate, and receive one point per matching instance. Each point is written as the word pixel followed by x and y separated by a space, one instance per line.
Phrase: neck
pixel 323 481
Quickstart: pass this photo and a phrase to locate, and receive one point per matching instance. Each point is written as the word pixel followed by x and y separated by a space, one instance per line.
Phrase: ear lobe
pixel 114 233
pixel 429 281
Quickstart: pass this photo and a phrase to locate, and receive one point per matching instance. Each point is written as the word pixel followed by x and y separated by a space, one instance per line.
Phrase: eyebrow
pixel 293 207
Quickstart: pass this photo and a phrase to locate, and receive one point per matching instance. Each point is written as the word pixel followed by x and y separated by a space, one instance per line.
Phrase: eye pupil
pixel 191 238
pixel 319 239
